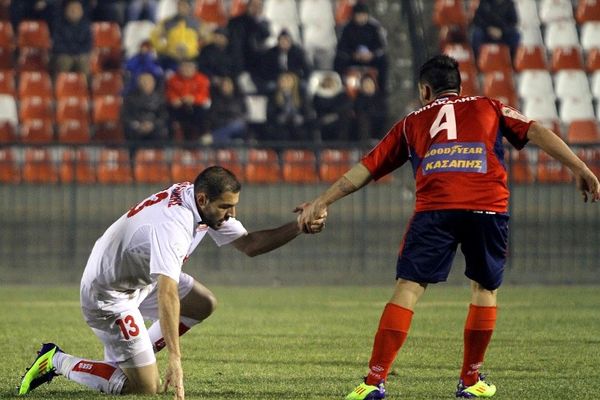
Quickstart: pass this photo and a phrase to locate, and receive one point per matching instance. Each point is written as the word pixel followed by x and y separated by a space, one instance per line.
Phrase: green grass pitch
pixel 314 343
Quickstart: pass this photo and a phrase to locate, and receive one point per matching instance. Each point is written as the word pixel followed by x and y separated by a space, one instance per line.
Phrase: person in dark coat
pixel 227 114
pixel 215 60
pixel 287 111
pixel 72 39
pixel 333 108
pixel 370 110
pixel 145 61
pixel 32 10
pixel 495 21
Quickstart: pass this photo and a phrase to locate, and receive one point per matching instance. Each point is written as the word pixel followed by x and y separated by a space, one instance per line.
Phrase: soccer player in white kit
pixel 134 273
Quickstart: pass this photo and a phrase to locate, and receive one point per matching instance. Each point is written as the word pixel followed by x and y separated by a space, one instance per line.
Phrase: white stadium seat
pixel 575 108
pixel 319 44
pixel 535 83
pixel 283 12
pixel 590 35
pixel 596 85
pixel 561 34
pixel 166 9
pixel 527 12
pixel 541 109
pixel 530 35
pixel 555 10
pixel 316 12
pixel 135 33
pixel 572 83
pixel 8 110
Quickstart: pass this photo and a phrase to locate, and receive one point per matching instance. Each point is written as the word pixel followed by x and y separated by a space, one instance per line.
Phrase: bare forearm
pixel 260 242
pixel 168 313
pixel 546 140
pixel 357 177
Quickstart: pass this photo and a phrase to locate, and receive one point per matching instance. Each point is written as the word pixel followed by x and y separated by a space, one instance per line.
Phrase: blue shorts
pixel 431 240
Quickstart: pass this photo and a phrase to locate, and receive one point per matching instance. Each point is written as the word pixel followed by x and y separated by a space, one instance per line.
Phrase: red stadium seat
pixel 238 7
pixel 299 166
pixel 34 83
pixel 36 131
pixel 105 59
pixel 9 169
pixel 520 170
pixel 33 59
pixel 591 156
pixel 461 52
pixel 263 166
pixel 334 163
pixel 584 131
pixel 107 84
pixel 150 166
pixel 7 60
pixel 530 57
pixel 35 107
pixel 109 133
pixel 7 82
pixel 72 108
pixel 211 11
pixel 71 84
pixel 230 159
pixel 38 166
pixel 34 34
pixel 186 165
pixel 587 10
pixel 494 57
pixel 551 171
pixel 7 132
pixel 469 79
pixel 566 58
pixel 76 167
pixel 106 34
pixel 74 132
pixel 7 37
pixel 500 85
pixel 449 12
pixel 107 109
pixel 593 60
pixel 114 166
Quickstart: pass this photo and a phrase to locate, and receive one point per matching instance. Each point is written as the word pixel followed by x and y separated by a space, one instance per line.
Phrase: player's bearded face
pixel 215 212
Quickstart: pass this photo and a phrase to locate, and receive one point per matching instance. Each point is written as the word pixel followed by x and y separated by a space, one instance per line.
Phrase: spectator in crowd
pixel 247 35
pixel 287 110
pixel 362 44
pixel 176 38
pixel 227 113
pixel 143 62
pixel 495 21
pixel 215 60
pixel 72 39
pixel 370 110
pixel 188 95
pixel 141 10
pixel 285 56
pixel 144 112
pixel 333 108
pixel 32 10
pixel 108 10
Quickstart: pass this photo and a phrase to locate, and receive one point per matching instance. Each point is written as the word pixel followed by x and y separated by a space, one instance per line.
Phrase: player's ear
pixel 202 199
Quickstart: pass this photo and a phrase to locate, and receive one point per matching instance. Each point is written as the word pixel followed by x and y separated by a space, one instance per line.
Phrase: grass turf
pixel 314 343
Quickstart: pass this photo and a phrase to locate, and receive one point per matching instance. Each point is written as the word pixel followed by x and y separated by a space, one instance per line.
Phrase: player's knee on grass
pixel 142 380
pixel 199 303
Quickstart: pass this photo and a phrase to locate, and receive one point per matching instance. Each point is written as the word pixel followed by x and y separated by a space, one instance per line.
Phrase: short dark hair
pixel 216 180
pixel 441 73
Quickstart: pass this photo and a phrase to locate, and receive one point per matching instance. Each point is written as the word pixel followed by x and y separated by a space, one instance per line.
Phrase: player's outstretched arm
pixel 357 177
pixel 548 141
pixel 168 314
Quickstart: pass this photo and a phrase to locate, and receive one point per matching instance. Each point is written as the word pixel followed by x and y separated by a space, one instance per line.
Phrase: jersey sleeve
pixel 229 231
pixel 514 125
pixel 168 247
pixel 390 153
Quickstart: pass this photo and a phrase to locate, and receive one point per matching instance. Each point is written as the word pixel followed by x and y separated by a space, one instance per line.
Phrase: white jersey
pixel 153 238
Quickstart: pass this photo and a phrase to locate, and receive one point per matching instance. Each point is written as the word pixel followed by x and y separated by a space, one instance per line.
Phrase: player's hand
pixel 174 377
pixel 588 185
pixel 312 216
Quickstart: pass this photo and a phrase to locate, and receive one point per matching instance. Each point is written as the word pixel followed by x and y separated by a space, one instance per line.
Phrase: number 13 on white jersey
pixel 449 125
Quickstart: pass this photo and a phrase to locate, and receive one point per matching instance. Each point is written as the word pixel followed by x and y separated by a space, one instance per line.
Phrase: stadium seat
pixel 561 34
pixel 256 108
pixel 461 52
pixel 299 166
pixel 237 7
pixel 449 12
pixel 535 83
pixel 282 11
pixel 566 58
pixel 520 170
pixel 9 168
pixel 71 84
pixel 540 108
pixel 34 83
pixel 494 57
pixel 469 79
pixel 591 156
pixel 36 131
pixel 596 85
pixel 106 34
pixel 530 57
pixel 106 109
pixel 77 167
pixel 555 10
pixel 592 62
pixel 527 12
pixel 7 132
pixel 151 166
pixel 230 159
pixel 7 36
pixel 38 166
pixel 8 110
pixel 353 76
pixel 334 163
pixel 343 11
pixel 587 10
pixel 35 107
pixel 166 9
pixel 34 34
pixel 6 59
pixel 531 36
pixel 583 131
pixel 105 59
pixel 109 133
pixel 74 132
pixel 7 82
pixel 107 84
pixel 186 165
pixel 500 85
pixel 72 108
pixel 134 33
pixel 316 12
pixel 263 166
pixel 590 35
pixel 114 166
pixel 211 12
pixel 319 42
pixel 575 108
pixel 551 171
pixel 33 59
pixel 571 83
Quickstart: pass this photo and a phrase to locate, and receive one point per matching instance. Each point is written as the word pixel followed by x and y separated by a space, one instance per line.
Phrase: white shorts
pixel 121 326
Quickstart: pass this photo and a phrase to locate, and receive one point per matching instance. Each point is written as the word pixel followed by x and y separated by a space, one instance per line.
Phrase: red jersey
pixel 456 150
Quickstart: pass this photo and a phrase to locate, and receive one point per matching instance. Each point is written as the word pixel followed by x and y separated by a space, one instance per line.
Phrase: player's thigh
pixel 199 303
pixel 484 242
pixel 149 307
pixel 141 380
pixel 428 247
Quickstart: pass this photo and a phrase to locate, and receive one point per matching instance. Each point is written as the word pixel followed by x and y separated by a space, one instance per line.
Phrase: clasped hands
pixel 311 216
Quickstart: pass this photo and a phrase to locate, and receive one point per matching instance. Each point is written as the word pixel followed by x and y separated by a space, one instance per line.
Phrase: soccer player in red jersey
pixel 454 144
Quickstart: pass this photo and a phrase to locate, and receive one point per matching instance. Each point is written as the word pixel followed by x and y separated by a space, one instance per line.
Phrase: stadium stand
pixel 106 35
pixel 34 34
pixel 71 84
pixel 7 82
pixel 150 166
pixel 333 163
pixel 114 166
pixel 9 169
pixel 262 166
pixel 186 164
pixel 38 166
pixel 77 167
pixel 36 131
pixel 73 131
pixel 299 166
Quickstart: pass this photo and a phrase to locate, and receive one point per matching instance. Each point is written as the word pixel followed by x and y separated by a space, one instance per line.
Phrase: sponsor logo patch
pixel 455 157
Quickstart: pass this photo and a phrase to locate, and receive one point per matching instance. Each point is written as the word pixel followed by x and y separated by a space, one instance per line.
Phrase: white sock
pixel 156 336
pixel 102 376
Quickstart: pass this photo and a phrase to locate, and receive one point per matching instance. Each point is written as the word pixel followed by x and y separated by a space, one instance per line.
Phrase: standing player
pixel 134 273
pixel 455 147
